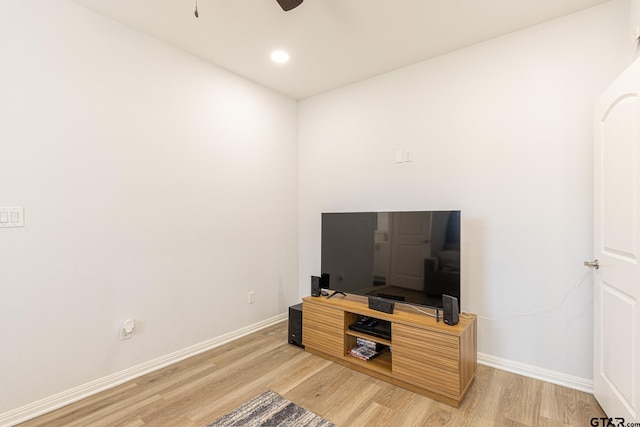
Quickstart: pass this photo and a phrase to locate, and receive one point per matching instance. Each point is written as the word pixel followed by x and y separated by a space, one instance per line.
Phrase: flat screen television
pixel 411 257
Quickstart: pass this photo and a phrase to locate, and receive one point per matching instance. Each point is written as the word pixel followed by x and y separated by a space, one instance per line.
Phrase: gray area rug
pixel 270 409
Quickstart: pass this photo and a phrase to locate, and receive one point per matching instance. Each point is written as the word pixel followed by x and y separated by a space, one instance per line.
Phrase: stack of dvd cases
pixel 366 349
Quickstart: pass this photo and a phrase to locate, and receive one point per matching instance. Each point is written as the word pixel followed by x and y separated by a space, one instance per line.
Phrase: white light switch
pixel 407 155
pixel 399 156
pixel 12 216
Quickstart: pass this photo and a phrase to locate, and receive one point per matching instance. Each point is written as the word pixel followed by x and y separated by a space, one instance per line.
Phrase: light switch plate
pixel 399 156
pixel 11 216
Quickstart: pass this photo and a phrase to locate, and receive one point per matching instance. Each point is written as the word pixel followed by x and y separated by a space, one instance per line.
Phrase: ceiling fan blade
pixel 287 5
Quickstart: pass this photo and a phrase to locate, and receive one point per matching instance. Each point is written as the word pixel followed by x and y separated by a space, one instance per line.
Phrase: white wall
pixel 503 131
pixel 155 187
pixel 634 25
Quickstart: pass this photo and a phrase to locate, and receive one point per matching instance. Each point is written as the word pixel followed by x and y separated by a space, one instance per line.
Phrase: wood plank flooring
pixel 198 390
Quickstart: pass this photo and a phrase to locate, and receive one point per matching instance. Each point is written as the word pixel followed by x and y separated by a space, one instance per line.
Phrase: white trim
pixel 59 400
pixel 531 371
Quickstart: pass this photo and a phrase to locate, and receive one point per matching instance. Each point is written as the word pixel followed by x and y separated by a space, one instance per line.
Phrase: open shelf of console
pixel 424 356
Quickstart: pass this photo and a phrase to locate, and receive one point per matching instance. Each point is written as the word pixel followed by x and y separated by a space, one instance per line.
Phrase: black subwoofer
pixel 295 325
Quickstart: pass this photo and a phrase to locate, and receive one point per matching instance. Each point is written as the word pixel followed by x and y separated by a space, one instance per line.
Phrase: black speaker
pixel 381 305
pixel 295 325
pixel 450 311
pixel 315 286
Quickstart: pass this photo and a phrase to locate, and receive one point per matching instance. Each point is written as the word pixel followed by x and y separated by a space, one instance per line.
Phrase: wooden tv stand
pixel 427 357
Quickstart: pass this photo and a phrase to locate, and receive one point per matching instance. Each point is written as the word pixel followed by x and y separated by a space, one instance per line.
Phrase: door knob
pixel 593 264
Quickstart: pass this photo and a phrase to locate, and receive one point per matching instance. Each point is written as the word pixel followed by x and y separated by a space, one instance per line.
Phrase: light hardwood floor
pixel 198 390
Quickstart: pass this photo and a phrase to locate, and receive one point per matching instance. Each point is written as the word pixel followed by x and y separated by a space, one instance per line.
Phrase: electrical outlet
pixel 252 297
pixel 126 329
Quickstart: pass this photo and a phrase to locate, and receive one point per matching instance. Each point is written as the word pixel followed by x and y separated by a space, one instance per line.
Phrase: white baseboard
pixel 59 400
pixel 530 371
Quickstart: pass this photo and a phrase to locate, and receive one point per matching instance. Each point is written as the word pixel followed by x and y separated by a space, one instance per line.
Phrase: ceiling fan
pixel 286 5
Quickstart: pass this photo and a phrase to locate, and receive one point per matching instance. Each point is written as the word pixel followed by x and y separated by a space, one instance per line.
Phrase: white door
pixel 409 246
pixel 617 237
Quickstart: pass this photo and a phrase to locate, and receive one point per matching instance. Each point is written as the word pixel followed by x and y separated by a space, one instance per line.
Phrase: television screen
pixel 412 257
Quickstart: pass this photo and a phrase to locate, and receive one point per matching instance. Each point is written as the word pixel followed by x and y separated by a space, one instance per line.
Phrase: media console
pixel 424 356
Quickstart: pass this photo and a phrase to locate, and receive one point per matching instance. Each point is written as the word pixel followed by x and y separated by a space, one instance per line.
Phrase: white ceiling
pixel 331 43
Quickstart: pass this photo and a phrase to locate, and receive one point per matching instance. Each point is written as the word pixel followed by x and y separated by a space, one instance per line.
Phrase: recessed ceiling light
pixel 279 56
